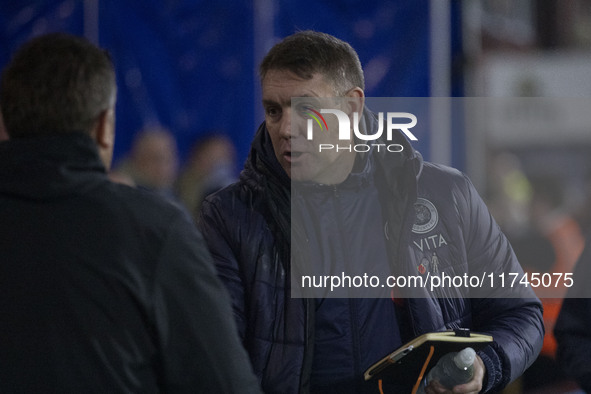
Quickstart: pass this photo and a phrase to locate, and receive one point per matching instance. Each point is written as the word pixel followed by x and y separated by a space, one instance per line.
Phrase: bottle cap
pixel 465 358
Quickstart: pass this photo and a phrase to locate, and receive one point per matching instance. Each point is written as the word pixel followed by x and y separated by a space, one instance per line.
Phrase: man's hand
pixel 472 387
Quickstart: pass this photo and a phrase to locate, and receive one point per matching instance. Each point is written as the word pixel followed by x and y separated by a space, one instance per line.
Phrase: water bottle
pixel 451 369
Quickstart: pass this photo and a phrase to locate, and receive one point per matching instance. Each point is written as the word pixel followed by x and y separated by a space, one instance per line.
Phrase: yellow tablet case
pixel 404 365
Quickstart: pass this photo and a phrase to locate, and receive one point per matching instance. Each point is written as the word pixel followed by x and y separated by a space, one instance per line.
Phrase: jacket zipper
pixel 404 239
pixel 352 301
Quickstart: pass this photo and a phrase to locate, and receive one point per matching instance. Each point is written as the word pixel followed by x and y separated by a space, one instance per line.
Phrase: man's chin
pixel 298 175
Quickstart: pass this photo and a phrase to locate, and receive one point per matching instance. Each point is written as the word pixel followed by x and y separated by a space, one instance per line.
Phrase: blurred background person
pixel 552 245
pixel 552 219
pixel 152 162
pixel 211 165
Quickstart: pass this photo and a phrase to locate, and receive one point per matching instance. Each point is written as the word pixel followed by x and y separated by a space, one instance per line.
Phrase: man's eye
pixel 272 111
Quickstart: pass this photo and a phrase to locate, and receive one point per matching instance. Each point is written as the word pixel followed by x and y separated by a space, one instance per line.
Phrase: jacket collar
pixel 42 168
pixel 263 162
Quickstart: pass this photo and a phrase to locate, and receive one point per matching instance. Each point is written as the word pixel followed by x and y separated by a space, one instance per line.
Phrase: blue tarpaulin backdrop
pixel 191 65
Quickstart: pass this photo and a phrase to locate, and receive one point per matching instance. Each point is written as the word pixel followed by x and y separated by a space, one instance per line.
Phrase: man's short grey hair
pixel 309 52
pixel 56 83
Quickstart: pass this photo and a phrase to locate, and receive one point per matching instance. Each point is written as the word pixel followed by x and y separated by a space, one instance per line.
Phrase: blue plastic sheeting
pixel 391 38
pixel 191 65
pixel 186 65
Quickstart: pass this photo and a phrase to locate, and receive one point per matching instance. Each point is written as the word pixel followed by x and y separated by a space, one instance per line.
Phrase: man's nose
pixel 293 124
pixel 285 127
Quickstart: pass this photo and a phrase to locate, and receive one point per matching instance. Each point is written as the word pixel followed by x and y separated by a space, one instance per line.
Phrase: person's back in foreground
pixel 103 288
pixel 376 210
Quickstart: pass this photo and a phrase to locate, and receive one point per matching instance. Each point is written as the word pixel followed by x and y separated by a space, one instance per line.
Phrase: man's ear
pixel 355 102
pixel 105 129
pixel 103 134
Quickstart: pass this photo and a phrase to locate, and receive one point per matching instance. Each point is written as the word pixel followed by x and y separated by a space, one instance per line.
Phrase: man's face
pixel 298 156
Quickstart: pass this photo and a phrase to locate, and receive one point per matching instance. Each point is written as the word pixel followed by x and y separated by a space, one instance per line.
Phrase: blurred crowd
pixel 546 222
pixel 154 163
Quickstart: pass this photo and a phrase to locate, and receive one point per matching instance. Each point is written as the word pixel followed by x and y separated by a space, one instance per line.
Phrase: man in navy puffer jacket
pixel 378 206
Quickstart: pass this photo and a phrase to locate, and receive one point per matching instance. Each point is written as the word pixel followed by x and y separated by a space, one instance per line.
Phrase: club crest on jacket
pixel 426 216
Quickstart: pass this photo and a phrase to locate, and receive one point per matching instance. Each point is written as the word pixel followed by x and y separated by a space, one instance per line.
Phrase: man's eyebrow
pixel 269 102
pixel 307 96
